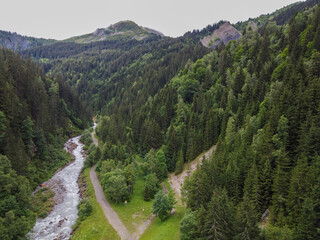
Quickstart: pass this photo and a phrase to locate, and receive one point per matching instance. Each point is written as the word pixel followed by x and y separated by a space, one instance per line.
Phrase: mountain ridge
pixel 16 41
pixel 126 29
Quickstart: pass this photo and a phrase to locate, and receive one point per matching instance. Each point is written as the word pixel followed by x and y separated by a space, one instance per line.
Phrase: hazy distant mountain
pixel 16 41
pixel 121 30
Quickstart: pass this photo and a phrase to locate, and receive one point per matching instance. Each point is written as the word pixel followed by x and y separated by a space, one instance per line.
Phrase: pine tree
pixel 219 222
pixel 180 163
pixel 246 222
pixel 188 226
pixel 308 224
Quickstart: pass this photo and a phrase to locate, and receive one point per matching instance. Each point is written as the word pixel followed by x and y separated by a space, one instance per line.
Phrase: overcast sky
pixel 61 19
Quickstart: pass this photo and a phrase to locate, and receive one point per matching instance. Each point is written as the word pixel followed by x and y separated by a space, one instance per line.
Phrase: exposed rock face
pixel 253 26
pixel 15 41
pixel 224 34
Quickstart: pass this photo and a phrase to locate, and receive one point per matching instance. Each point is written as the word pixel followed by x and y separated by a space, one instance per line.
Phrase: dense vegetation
pixel 37 114
pixel 258 99
pixel 267 153
pixel 281 16
pixel 117 72
pixel 162 102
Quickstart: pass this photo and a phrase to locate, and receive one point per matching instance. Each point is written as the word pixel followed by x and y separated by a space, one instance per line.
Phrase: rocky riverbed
pixel 58 224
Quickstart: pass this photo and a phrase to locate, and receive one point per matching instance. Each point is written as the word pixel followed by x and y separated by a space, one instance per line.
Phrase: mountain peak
pixel 120 30
pixel 126 25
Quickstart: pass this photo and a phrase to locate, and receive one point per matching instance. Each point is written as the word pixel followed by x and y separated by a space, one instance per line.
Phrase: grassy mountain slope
pixel 120 30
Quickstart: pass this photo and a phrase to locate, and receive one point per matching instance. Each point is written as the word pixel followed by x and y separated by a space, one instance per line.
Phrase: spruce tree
pixel 219 222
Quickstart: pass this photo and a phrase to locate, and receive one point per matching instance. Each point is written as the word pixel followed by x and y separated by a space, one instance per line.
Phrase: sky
pixel 61 19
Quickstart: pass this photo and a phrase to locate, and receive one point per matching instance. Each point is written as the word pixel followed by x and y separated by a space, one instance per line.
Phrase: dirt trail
pixel 110 214
pixel 94 139
pixel 176 181
pixel 108 211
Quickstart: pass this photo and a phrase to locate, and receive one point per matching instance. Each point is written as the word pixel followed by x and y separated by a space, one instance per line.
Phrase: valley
pixel 210 135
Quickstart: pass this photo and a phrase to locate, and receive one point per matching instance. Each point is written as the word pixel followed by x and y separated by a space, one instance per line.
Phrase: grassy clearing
pixel 43 202
pixel 137 210
pixel 169 228
pixel 96 226
pixel 166 230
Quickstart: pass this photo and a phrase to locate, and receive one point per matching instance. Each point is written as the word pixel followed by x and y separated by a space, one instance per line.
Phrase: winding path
pixel 108 211
pixel 176 181
pixel 112 216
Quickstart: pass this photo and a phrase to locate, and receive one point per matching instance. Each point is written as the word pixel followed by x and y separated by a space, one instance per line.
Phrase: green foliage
pixel 16 215
pixel 276 233
pixel 151 186
pixel 95 225
pixel 246 222
pixel 164 230
pixel 219 221
pixel 162 205
pixel 180 163
pixel 188 226
pixel 114 185
pixel 42 202
pixel 257 99
pixel 85 209
pixel 86 138
pixel 155 162
pixel 267 151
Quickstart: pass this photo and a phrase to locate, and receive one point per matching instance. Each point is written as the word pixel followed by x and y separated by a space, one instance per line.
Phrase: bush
pixel 85 209
pixel 151 186
pixel 277 233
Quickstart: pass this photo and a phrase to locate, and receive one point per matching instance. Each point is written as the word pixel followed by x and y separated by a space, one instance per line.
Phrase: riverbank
pixel 58 224
pixel 96 225
pixel 49 193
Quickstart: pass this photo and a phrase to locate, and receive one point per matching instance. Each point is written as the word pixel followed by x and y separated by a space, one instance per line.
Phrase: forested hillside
pixel 163 101
pixel 258 100
pixel 37 114
pixel 105 72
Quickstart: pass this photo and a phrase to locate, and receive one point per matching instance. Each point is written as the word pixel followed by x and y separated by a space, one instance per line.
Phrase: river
pixel 58 224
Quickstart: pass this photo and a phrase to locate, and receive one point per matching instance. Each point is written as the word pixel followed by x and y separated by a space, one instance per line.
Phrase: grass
pixel 96 226
pixel 166 230
pixel 43 202
pixel 137 210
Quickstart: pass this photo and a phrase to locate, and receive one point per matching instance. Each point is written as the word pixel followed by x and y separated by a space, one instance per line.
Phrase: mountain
pixel 163 101
pixel 124 30
pixel 121 30
pixel 18 42
pixel 224 34
pixel 257 100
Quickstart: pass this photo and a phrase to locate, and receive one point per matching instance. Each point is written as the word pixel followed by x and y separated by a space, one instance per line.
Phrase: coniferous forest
pixel 160 102
pixel 38 114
